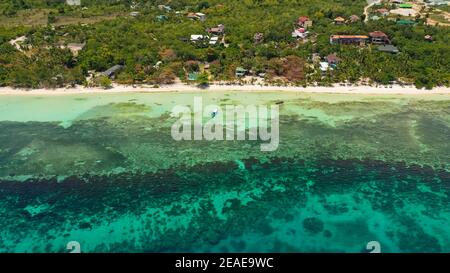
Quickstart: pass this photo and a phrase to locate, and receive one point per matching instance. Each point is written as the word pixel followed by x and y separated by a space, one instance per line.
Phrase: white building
pixel 324 66
pixel 213 40
pixel 73 2
pixel 197 38
pixel 201 16
pixel 300 33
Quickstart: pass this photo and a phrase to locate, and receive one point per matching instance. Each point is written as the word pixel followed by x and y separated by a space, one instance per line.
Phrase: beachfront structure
pixel 111 72
pixel 73 2
pixel 324 66
pixel 219 30
pixel 193 76
pixel 339 20
pixel 240 72
pixel 388 49
pixel 349 39
pixel 378 37
pixel 304 21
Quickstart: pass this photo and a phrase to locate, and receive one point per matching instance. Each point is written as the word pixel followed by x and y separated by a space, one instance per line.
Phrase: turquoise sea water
pixel 104 171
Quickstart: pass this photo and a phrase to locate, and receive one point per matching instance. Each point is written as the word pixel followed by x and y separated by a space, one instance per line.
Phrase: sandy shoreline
pixel 337 89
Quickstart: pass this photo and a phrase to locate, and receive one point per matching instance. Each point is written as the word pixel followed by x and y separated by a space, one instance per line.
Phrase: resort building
pixel 197 38
pixel 219 30
pixel 197 16
pixel 240 72
pixel 201 16
pixel 213 40
pixel 324 66
pixel 75 48
pixel 378 37
pixel 304 21
pixel 349 39
pixel 193 76
pixel 339 21
pixel 111 72
pixel 300 33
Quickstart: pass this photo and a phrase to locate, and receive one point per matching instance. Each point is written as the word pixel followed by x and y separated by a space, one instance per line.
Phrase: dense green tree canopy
pixel 157 51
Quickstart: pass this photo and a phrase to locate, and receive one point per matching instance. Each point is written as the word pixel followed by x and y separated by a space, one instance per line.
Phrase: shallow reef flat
pixel 103 170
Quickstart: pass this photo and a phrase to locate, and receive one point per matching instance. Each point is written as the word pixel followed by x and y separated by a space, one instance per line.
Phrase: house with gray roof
pixel 111 72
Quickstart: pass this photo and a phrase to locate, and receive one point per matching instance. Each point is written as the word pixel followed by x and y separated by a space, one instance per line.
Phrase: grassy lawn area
pixel 25 18
pixel 439 17
pixel 443 8
pixel 39 17
pixel 68 20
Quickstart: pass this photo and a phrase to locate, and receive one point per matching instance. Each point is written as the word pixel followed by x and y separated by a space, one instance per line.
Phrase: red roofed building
pixel 304 21
pixel 378 37
pixel 383 12
pixel 219 30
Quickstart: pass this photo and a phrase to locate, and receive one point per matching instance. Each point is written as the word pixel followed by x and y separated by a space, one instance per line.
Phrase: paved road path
pixel 370 3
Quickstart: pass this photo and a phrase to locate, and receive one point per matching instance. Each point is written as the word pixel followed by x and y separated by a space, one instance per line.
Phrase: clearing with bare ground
pixel 39 17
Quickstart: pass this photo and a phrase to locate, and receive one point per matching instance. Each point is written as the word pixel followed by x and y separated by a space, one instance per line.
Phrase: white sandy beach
pixel 179 87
